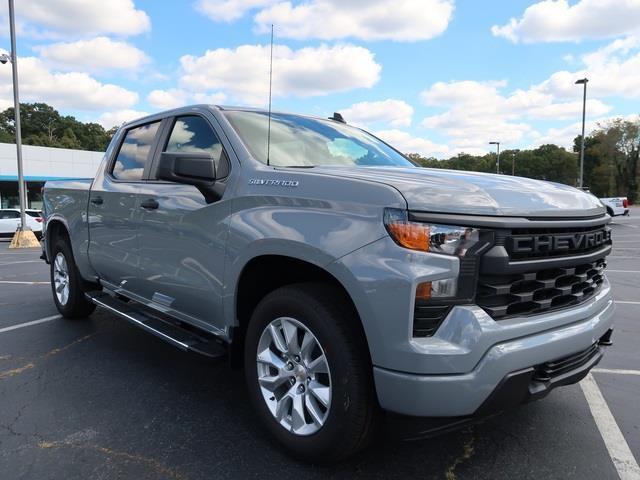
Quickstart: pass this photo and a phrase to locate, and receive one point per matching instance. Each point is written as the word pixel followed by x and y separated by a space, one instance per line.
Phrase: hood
pixel 472 193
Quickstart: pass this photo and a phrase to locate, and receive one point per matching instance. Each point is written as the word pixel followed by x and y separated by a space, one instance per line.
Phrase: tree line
pixel 42 125
pixel 610 162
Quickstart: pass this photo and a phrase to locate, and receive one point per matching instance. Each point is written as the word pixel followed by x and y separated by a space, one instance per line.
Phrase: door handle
pixel 150 204
pixel 97 200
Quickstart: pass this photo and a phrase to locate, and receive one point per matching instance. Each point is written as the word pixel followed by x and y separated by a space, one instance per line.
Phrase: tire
pixel 610 212
pixel 349 421
pixel 63 269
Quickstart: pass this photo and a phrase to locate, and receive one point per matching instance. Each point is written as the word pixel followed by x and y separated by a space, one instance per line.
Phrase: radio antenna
pixel 270 85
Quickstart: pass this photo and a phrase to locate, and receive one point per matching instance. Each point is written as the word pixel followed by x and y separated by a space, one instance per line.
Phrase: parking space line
pixel 22 261
pixel 614 440
pixel 616 371
pixel 622 271
pixel 622 302
pixel 28 324
pixel 24 283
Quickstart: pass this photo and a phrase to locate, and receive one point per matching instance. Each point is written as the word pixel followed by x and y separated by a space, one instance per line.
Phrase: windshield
pixel 298 141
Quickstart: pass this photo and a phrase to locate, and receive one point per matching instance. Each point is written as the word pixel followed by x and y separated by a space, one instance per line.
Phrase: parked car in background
pixel 10 221
pixel 616 205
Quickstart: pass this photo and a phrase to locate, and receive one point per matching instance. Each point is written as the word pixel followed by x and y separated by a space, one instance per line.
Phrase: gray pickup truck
pixel 344 279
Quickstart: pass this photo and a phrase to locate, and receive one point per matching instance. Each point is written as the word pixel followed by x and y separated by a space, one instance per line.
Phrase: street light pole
pixel 24 237
pixel 498 159
pixel 582 81
pixel 16 105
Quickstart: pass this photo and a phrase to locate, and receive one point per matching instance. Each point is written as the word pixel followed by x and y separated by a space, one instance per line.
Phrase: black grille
pixel 551 370
pixel 569 236
pixel 427 318
pixel 537 291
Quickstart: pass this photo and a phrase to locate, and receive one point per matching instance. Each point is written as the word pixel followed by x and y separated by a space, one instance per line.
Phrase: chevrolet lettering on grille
pixel 558 242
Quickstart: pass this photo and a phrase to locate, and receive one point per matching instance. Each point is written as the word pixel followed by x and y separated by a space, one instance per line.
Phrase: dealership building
pixel 41 164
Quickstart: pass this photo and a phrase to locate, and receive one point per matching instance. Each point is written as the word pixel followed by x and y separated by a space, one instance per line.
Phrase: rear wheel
pixel 309 374
pixel 67 285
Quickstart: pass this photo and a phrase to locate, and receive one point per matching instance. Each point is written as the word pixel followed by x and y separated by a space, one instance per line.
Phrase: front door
pixel 182 235
pixel 114 213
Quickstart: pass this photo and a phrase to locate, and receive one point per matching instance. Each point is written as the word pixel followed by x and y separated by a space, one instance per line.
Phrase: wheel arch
pixel 280 270
pixel 56 227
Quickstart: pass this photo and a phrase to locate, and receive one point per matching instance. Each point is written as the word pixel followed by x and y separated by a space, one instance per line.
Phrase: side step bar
pixel 165 329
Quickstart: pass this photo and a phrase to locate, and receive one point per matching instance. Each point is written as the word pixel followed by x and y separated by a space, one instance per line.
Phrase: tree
pixel 42 125
pixel 611 159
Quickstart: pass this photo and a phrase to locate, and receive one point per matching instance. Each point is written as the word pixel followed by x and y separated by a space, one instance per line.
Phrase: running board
pixel 167 330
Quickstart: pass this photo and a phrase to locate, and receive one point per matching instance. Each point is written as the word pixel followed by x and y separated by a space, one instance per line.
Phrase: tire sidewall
pixel 342 401
pixel 76 294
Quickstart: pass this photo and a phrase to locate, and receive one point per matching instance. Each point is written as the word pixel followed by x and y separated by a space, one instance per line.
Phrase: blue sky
pixel 435 77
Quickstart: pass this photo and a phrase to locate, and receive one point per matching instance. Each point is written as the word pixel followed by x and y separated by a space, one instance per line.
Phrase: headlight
pixel 435 238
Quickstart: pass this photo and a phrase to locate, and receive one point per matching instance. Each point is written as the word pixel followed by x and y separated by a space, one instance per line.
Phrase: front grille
pixel 579 235
pixel 551 370
pixel 537 291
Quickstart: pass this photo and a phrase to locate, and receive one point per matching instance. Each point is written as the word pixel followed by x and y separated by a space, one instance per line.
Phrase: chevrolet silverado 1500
pixel 344 279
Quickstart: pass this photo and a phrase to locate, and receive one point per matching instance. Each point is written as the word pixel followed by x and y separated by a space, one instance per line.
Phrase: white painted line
pixel 23 261
pixel 28 324
pixel 622 256
pixel 24 283
pixel 617 371
pixel 622 302
pixel 615 442
pixel 621 271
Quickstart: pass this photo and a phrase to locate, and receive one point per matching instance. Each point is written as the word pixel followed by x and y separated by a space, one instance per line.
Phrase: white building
pixel 41 164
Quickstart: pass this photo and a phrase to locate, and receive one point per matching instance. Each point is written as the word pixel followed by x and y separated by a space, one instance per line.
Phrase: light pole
pixel 498 160
pixel 582 81
pixel 513 164
pixel 24 237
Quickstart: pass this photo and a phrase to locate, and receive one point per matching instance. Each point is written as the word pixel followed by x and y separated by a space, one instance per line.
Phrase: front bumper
pixel 507 373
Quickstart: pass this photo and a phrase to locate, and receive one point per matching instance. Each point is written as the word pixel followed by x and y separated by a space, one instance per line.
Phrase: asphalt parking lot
pixel 99 398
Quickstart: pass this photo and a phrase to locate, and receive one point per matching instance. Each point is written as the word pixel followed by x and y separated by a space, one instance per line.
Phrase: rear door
pixel 9 222
pixel 182 235
pixel 114 213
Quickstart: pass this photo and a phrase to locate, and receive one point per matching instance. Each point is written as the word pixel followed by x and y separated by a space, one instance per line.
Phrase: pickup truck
pixel 344 280
pixel 616 205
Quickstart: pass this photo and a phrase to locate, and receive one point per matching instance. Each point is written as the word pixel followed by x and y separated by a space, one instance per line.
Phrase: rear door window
pixel 9 214
pixel 135 152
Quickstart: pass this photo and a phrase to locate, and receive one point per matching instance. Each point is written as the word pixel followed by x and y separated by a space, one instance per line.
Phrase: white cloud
pixel 396 113
pixel 97 54
pixel 477 112
pixel 564 136
pixel 64 90
pixel 78 17
pixel 118 117
pixel 166 99
pixel 173 98
pixel 401 20
pixel 557 21
pixel 407 143
pixel 244 71
pixel 613 70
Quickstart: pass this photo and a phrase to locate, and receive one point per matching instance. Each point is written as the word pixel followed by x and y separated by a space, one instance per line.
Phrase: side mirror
pixel 196 169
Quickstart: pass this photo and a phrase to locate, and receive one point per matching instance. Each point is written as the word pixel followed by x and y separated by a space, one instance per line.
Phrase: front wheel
pixel 67 285
pixel 308 372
